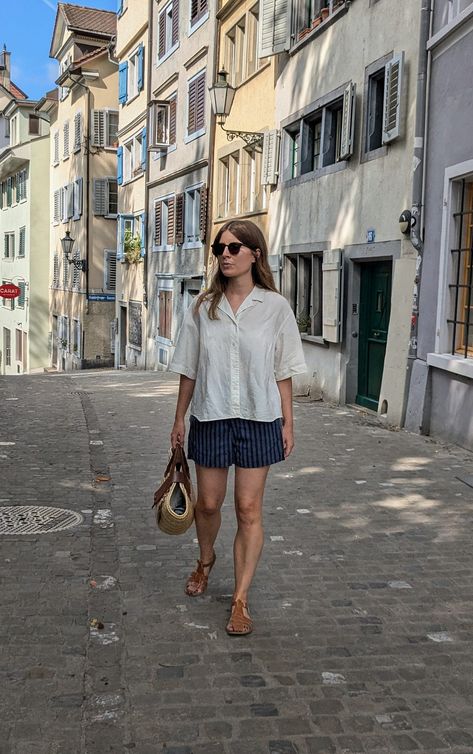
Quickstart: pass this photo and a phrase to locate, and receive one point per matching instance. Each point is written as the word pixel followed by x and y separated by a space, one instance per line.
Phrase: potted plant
pixel 64 343
pixel 132 247
pixel 303 321
pixel 303 33
pixel 316 22
pixel 324 12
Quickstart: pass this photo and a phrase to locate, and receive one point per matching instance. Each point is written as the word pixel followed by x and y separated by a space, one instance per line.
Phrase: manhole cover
pixel 36 519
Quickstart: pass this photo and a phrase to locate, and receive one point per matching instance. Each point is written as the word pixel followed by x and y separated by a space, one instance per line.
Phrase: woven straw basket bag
pixel 174 499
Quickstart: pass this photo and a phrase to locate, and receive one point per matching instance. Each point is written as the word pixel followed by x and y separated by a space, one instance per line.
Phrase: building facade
pixel 8 92
pixel 24 238
pixel 347 132
pixel 441 388
pixel 83 188
pixel 180 128
pixel 132 52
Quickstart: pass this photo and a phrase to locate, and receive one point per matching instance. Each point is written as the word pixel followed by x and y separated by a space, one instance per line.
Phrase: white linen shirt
pixel 237 359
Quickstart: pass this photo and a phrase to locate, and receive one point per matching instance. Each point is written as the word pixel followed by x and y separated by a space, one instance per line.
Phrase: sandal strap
pixel 241 624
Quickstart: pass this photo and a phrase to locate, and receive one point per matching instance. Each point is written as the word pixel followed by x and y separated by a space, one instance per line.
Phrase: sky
pixel 26 27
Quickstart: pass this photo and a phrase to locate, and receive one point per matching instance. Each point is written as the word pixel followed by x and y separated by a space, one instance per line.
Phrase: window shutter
pixel 56 148
pixel 66 139
pixel 113 335
pixel 175 22
pixel 64 203
pixel 144 148
pixel 191 115
pixel 120 246
pixel 172 120
pixel 143 234
pixel 168 302
pixel 76 272
pixel 56 209
pixel 22 244
pixel 141 67
pixel 203 210
pixel 77 131
pixel 393 87
pixel 5 246
pixel 274 27
pixel 348 122
pixel 123 82
pixel 120 166
pixel 70 201
pixel 332 270
pixel 269 173
pixel 194 11
pixel 157 223
pixel 110 271
pixel 162 34
pixel 55 271
pixel 21 297
pixel 98 128
pixel 180 218
pixel 171 222
pixel 200 106
pixel 100 196
pixel 77 199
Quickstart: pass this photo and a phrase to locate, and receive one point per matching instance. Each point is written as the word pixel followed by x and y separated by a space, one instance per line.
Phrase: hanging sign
pixel 8 290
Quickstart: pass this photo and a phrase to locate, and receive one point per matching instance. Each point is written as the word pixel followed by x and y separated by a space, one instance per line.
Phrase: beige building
pixel 242 170
pixel 132 52
pixel 24 238
pixel 83 188
pixel 180 134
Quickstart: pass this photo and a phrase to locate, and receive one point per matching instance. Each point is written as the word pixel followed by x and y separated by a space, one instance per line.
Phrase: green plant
pixel 64 342
pixel 303 321
pixel 132 247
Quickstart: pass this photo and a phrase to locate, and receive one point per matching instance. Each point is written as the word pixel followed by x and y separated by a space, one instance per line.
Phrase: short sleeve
pixel 186 353
pixel 288 356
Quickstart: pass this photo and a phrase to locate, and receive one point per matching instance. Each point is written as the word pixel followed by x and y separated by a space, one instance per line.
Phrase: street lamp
pixel 67 243
pixel 221 98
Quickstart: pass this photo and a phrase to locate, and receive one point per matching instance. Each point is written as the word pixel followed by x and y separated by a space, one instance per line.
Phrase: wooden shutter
pixel 175 22
pixel 143 234
pixel 162 314
pixel 194 11
pixel 77 199
pixel 55 271
pixel 348 122
pixel 100 196
pixel 123 82
pixel 162 34
pixel 98 128
pixel 269 173
pixel 172 120
pixel 110 270
pixel 56 148
pixel 393 87
pixel 22 244
pixel 180 218
pixel 56 210
pixel 120 166
pixel 200 105
pixel 157 223
pixel 66 139
pixel 171 222
pixel 203 211
pixel 141 69
pixel 274 27
pixel 192 101
pixel 332 271
pixel 77 131
pixel 144 148
pixel 168 314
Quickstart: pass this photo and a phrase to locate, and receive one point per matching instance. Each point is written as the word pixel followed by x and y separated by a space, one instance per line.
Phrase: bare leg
pixel 211 489
pixel 249 490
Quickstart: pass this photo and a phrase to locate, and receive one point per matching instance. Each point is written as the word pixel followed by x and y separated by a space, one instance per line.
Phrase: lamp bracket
pixel 251 138
pixel 79 264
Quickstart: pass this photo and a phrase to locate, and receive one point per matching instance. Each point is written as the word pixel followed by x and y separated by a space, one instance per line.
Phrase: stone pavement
pixel 362 601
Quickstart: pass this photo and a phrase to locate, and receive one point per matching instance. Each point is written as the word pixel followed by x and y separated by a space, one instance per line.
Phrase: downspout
pixel 87 193
pixel 146 207
pixel 210 167
pixel 418 182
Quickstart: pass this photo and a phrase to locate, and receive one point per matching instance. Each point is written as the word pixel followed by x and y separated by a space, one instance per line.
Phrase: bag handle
pixel 172 474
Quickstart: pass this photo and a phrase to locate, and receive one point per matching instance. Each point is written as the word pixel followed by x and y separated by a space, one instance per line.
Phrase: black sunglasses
pixel 233 248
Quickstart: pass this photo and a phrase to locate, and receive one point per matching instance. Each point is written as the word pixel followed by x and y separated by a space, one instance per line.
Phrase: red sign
pixel 9 291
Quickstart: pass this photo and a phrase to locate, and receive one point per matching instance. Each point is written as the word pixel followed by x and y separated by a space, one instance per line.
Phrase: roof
pixel 17 92
pixel 80 18
pixel 90 55
pixel 50 98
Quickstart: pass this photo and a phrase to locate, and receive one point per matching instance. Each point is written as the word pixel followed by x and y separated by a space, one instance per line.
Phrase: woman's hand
pixel 288 439
pixel 178 433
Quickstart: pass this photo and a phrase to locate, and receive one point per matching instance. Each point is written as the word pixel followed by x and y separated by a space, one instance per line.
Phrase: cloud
pixel 50 5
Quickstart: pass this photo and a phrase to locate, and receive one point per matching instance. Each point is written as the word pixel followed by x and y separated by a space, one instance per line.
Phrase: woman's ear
pixel 257 252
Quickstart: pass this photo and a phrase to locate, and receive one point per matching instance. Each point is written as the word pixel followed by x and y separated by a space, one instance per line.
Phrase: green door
pixel 375 308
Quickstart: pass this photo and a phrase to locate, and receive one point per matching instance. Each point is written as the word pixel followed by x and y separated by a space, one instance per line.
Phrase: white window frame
pixel 132 152
pixel 164 212
pixel 192 240
pixel 56 149
pixel 9 246
pixel 76 338
pixel 169 48
pixel 132 75
pixel 107 214
pixel 66 133
pixel 97 140
pixel 200 21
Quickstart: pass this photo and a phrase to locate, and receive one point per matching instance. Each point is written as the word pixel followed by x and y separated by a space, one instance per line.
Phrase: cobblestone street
pixel 362 602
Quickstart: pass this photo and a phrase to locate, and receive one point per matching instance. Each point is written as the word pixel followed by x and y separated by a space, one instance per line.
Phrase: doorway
pixel 123 336
pixel 375 310
pixel 54 362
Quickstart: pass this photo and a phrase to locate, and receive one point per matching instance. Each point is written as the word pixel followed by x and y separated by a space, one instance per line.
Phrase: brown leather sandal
pixel 197 581
pixel 239 623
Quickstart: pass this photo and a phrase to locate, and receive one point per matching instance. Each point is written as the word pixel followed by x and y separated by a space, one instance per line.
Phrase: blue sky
pixel 26 27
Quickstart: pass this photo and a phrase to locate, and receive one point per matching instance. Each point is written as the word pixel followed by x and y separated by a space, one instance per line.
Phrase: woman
pixel 237 351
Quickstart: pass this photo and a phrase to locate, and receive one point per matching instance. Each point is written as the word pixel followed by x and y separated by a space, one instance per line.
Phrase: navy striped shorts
pixel 245 443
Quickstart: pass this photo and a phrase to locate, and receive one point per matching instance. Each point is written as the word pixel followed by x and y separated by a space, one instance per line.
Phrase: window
pixel 21 297
pixel 163 123
pixel 253 62
pixel 56 148
pixel 9 246
pixel 14 130
pixel 18 345
pixel 77 132
pixel 110 270
pixel 105 128
pixel 67 202
pixel 322 138
pixel 199 8
pixel 77 198
pixel 10 184
pixel 168 29
pixel 253 195
pixel 33 125
pixel 106 197
pixel 136 72
pixel 191 216
pixel 22 242
pixel 235 52
pixel 303 284
pixel 7 344
pixel 164 223
pixel 131 227
pixel 228 185
pixel 21 185
pixel 196 105
pixel 165 314
pixel 383 103
pixel 134 157
pixel 8 303
pixel 374 134
pixel 76 338
pixel 461 287
pixel 64 90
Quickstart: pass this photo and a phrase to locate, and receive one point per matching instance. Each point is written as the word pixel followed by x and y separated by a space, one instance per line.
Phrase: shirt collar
pixel 257 294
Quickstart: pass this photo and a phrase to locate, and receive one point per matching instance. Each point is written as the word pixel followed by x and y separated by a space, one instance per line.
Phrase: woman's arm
pixel 186 390
pixel 285 391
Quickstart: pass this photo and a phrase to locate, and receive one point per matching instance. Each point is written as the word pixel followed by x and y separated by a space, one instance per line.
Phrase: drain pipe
pixel 416 233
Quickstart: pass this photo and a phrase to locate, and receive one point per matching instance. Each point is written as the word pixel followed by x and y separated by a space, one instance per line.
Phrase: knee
pixel 248 512
pixel 209 506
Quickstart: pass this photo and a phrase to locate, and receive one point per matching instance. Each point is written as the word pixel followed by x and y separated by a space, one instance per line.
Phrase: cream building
pixel 132 52
pixel 180 133
pixel 24 238
pixel 83 188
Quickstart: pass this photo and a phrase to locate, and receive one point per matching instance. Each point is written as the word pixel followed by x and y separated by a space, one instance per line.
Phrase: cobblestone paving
pixel 362 602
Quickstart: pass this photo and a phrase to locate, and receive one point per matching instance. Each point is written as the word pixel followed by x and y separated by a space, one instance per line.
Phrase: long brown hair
pixel 250 235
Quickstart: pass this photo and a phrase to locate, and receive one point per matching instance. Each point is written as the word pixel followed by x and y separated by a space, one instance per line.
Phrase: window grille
pixel 462 288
